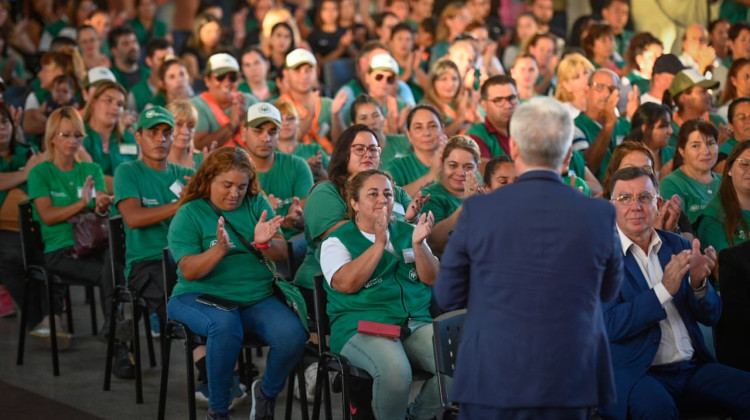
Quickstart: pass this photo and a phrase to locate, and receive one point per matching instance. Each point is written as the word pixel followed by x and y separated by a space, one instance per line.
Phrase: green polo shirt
pixel 306 151
pixel 63 188
pixel 240 276
pixel 143 94
pixel 16 163
pixel 143 73
pixel 289 177
pixel 442 203
pixel 695 195
pixel 124 151
pixel 591 129
pixel 152 188
pixel 396 146
pixel 407 169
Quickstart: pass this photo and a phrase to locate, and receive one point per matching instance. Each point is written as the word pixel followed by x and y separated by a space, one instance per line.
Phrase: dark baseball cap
pixel 668 63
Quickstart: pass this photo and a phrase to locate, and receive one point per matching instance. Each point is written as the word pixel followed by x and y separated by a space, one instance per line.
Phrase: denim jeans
pixel 270 319
pixel 389 363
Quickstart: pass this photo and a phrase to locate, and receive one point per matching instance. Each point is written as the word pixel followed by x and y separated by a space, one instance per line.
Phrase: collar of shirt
pixel 653 246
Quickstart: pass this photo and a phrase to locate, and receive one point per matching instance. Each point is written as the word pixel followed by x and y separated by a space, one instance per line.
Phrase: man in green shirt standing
pixel 602 128
pixel 499 99
pixel 286 179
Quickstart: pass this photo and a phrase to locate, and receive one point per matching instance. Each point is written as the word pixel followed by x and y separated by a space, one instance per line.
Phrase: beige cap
pixel 222 63
pixel 299 57
pixel 384 62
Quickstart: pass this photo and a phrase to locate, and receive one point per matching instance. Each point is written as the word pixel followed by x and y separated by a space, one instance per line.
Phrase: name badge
pixel 176 188
pixel 408 255
pixel 80 192
pixel 128 149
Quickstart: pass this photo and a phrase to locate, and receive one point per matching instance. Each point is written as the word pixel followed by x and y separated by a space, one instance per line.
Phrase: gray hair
pixel 543 131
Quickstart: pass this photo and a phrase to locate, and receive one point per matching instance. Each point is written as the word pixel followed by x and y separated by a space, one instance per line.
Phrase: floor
pixel 30 391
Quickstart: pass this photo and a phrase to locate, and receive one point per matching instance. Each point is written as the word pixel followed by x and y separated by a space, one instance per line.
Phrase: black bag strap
pixel 243 239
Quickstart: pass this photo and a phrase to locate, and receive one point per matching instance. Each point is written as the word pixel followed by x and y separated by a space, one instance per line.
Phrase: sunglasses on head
pixel 390 79
pixel 232 77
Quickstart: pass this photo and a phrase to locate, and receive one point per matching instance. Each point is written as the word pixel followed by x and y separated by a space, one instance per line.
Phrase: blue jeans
pixel 270 319
pixel 389 363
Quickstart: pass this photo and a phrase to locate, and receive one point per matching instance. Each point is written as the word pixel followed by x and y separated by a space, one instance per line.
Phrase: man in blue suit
pixel 532 261
pixel 662 366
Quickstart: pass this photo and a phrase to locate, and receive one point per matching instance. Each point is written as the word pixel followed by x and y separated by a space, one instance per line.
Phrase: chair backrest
pixel 117 249
pixel 336 73
pixel 297 248
pixel 446 336
pixel 169 272
pixel 320 316
pixel 32 245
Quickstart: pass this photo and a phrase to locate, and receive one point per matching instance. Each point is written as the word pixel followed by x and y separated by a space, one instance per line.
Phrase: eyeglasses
pixel 67 135
pixel 390 79
pixel 602 86
pixel 644 199
pixel 742 164
pixel 233 77
pixel 361 149
pixel 502 100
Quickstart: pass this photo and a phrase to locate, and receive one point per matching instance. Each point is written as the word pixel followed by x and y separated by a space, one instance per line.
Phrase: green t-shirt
pixel 206 119
pixel 640 81
pixel 245 88
pixel 289 177
pixel 324 208
pixel 158 30
pixel 480 130
pixel 143 94
pixel 407 169
pixel 240 276
pixel 695 195
pixel 577 164
pixel 152 188
pixel 16 163
pixel 396 146
pixel 125 151
pixel 306 151
pixel 442 202
pixel 726 148
pixel 710 226
pixel 591 129
pixel 63 188
pixel 578 183
pixel 393 294
pixel 143 73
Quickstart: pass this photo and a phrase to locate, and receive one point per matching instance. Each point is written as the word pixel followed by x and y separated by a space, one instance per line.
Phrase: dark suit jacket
pixel 633 321
pixel 733 331
pixel 532 262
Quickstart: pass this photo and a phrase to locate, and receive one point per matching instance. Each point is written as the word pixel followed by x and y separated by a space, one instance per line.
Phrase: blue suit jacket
pixel 633 322
pixel 532 262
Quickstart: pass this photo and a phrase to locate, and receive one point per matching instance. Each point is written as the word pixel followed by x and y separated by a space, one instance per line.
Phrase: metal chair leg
pixel 110 344
pixel 165 350
pixel 53 329
pixel 137 351
pixel 24 320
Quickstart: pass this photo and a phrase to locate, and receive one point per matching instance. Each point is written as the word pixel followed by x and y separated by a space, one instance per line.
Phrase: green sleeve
pixel 711 232
pixel 185 234
pixel 97 175
pixel 395 167
pixel 38 187
pixel 324 208
pixel 437 206
pixel 125 183
pixel 304 178
pixel 669 188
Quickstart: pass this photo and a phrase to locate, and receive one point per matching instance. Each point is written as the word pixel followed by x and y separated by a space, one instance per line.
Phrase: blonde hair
pixel 441 67
pixel 183 110
pixel 53 125
pixel 286 108
pixel 449 12
pixel 275 16
pixel 88 110
pixel 568 70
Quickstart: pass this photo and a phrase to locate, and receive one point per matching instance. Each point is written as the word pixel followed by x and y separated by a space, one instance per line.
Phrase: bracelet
pixel 702 286
pixel 263 246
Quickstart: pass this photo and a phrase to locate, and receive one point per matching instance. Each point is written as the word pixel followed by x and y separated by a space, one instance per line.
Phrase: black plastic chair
pixel 296 249
pixel 123 294
pixel 32 248
pixel 334 362
pixel 733 330
pixel 336 73
pixel 446 336
pixel 174 330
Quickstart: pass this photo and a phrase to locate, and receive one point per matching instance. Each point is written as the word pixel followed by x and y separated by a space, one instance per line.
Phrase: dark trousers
pixel 14 277
pixel 690 388
pixel 91 270
pixel 147 280
pixel 485 412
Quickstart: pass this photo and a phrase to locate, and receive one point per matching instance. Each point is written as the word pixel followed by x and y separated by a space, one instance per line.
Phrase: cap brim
pixel 388 69
pixel 223 70
pixel 301 63
pixel 258 121
pixel 153 123
pixel 709 84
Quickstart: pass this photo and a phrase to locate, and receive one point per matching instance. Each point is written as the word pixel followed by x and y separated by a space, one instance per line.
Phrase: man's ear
pixel 513 149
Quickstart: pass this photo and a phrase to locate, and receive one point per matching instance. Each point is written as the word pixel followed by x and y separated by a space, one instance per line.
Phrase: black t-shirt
pixel 323 43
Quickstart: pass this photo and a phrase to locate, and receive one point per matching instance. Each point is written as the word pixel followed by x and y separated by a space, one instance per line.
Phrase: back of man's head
pixel 543 132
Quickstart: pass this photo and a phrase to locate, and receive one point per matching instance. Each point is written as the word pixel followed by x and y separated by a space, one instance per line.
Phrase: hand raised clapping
pixel 266 229
pixel 423 228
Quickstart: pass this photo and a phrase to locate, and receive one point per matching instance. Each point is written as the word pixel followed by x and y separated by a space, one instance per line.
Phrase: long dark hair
pixel 728 195
pixel 648 114
pixel 5 112
pixel 338 168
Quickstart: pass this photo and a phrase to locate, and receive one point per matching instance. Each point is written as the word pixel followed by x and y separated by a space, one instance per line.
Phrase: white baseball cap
pixel 384 62
pixel 97 76
pixel 262 112
pixel 299 57
pixel 222 63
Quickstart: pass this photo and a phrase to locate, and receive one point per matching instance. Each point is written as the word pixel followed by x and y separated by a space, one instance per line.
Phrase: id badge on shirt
pixel 408 255
pixel 176 188
pixel 398 208
pixel 128 149
pixel 80 192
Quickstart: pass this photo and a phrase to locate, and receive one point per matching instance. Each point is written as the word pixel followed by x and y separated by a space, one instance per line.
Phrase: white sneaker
pixel 311 376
